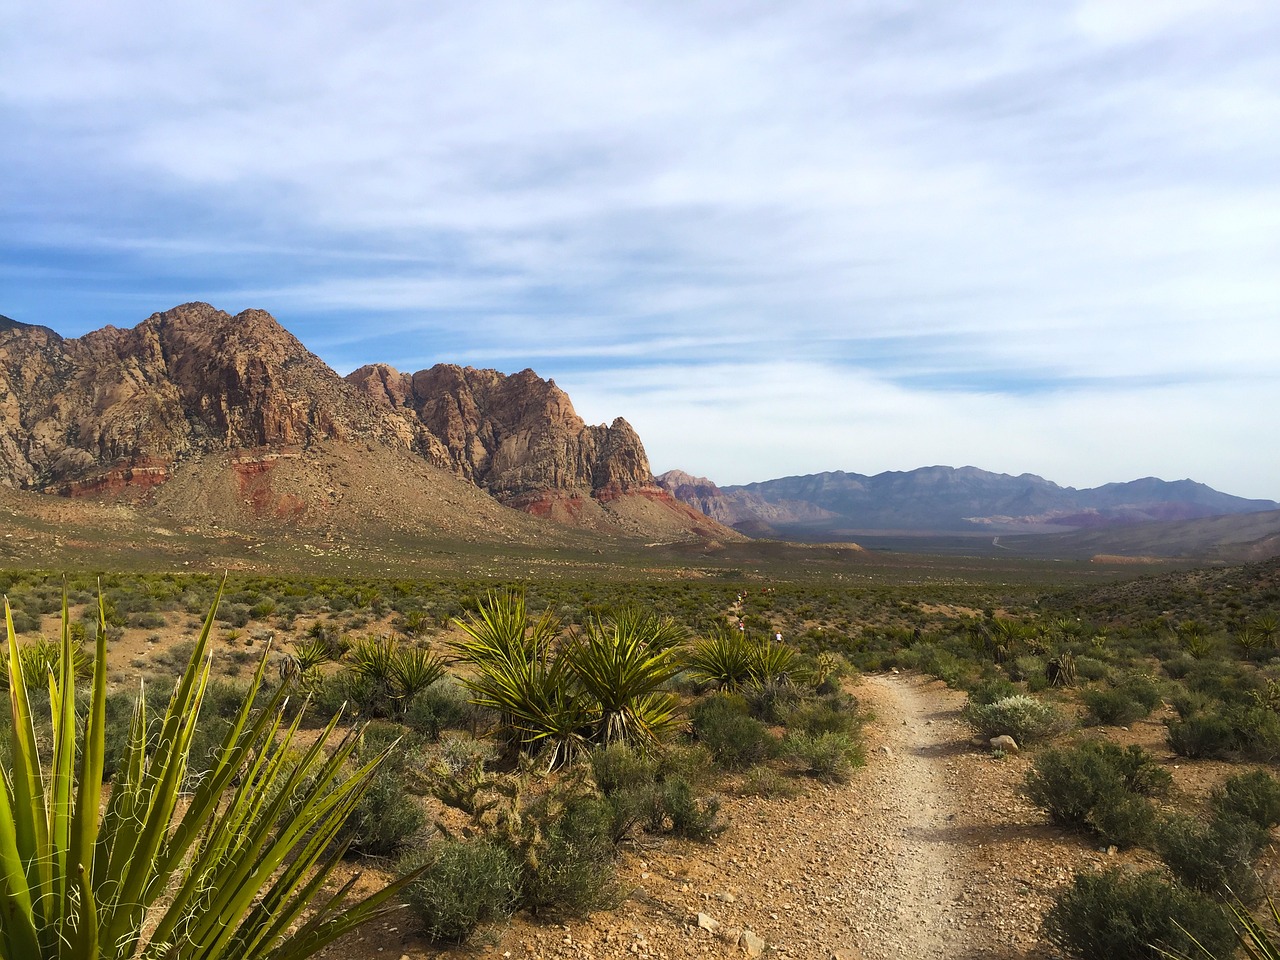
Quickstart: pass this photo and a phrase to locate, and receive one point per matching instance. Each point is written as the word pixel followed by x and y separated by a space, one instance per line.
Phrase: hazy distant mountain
pixel 942 499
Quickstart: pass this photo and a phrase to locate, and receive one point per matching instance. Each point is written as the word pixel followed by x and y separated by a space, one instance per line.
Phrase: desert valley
pixel 602 713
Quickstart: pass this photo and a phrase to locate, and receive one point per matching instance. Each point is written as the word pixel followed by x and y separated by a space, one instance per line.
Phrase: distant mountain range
pixel 935 500
pixel 196 421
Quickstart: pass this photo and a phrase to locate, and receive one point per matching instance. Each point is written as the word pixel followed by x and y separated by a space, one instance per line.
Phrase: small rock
pixel 887 752
pixel 707 923
pixel 1004 742
pixel 751 944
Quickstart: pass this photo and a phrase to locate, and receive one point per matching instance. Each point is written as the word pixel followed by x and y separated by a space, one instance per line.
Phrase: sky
pixel 778 238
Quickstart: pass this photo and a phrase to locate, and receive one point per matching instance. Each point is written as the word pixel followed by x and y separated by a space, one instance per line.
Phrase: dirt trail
pixel 913 866
pixel 925 855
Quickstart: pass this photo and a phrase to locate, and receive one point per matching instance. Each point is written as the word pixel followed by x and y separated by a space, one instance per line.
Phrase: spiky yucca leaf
pixel 723 659
pixel 229 876
pixel 620 665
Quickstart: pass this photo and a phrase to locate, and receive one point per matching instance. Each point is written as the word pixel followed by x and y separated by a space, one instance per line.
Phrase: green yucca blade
pixel 31 828
pixel 62 774
pixel 93 759
pixel 18 933
pixel 266 849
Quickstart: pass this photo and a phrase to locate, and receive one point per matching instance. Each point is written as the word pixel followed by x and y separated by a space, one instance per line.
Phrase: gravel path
pixel 928 854
pixel 907 861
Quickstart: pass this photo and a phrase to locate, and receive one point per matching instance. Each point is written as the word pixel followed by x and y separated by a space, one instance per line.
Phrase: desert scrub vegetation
pixel 1099 787
pixel 233 871
pixel 1025 718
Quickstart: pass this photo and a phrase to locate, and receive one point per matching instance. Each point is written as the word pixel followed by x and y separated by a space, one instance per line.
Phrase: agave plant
pixel 238 868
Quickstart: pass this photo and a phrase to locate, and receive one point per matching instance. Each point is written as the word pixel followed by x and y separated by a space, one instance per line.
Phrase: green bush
pixel 1201 735
pixel 1254 796
pixel 1124 917
pixel 573 872
pixel 831 713
pixel 1100 787
pixel 1213 856
pixel 693 817
pixel 1024 718
pixel 441 706
pixel 464 885
pixel 830 757
pixel 388 818
pixel 1116 706
pixel 990 690
pixel 735 739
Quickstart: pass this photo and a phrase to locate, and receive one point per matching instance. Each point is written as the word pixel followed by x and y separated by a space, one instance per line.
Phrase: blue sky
pixel 777 238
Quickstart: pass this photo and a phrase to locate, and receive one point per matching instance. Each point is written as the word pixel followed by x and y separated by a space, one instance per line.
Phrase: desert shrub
pixel 1091 668
pixel 1212 856
pixel 628 781
pixel 941 663
pixel 573 872
pixel 735 738
pixel 691 762
pixel 464 885
pixel 388 818
pixel 441 706
pixel 1201 735
pixel 830 757
pixel 690 816
pixel 1024 718
pixel 1100 787
pixel 1027 668
pixel 618 767
pixel 1187 703
pixel 1255 796
pixel 1127 917
pixel 1236 730
pixel 990 690
pixel 832 713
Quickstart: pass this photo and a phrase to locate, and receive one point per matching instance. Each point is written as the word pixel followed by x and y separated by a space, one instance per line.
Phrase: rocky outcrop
pixel 237 401
pixel 123 405
pixel 514 436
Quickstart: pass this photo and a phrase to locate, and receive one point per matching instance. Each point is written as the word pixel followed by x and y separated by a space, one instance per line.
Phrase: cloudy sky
pixel 777 238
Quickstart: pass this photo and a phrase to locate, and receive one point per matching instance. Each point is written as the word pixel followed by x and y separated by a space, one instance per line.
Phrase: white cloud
pixel 939 205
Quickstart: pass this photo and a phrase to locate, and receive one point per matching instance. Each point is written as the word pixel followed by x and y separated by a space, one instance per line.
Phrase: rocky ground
pixel 930 852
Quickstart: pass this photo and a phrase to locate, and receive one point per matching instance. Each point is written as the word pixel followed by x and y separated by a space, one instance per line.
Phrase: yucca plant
pixel 238 868
pixel 620 664
pixel 722 659
pixel 518 674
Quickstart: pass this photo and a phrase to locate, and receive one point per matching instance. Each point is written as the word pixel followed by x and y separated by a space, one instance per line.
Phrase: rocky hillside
pixel 121 413
pixel 946 499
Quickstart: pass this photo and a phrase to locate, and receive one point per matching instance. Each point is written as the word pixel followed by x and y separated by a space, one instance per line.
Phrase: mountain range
pixel 197 420
pixel 939 499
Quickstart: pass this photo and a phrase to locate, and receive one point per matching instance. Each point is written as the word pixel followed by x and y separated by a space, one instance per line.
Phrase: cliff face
pixel 511 435
pixel 118 412
pixel 189 380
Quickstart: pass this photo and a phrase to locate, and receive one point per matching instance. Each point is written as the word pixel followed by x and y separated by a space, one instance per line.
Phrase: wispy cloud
pixel 974 214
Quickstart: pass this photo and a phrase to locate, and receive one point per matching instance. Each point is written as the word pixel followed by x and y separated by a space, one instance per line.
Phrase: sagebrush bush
pixel 830 757
pixel 735 738
pixel 1126 917
pixel 1024 718
pixel 465 884
pixel 573 872
pixel 1215 855
pixel 1255 796
pixel 690 816
pixel 1113 706
pixel 1201 735
pixel 1100 787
